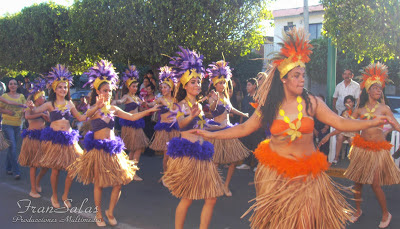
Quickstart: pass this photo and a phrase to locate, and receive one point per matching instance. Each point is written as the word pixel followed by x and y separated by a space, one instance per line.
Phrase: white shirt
pixel 342 91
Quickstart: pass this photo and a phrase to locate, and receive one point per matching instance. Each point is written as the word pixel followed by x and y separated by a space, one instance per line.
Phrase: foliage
pixel 367 28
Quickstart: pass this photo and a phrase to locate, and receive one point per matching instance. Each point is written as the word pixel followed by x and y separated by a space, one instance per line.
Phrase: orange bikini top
pixel 369 114
pixel 280 127
pixel 295 128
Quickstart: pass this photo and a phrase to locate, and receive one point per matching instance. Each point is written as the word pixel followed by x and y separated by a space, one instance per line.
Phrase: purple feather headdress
pixel 39 85
pixel 130 75
pixel 59 74
pixel 188 64
pixel 103 71
pixel 167 76
pixel 219 71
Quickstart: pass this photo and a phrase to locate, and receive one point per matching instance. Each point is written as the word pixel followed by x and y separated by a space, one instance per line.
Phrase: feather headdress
pixel 103 71
pixel 374 73
pixel 167 76
pixel 59 74
pixel 295 51
pixel 39 85
pixel 130 75
pixel 219 71
pixel 187 65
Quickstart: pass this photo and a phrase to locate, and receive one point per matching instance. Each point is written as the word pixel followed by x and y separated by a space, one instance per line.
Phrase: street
pixel 149 205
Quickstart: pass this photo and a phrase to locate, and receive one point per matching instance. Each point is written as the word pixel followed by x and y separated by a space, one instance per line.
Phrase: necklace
pixel 293 129
pixel 201 122
pixel 61 107
pixel 370 113
pixel 105 112
pixel 134 98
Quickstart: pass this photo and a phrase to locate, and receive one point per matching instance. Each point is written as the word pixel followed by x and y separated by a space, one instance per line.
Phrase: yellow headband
pixel 169 82
pixel 286 65
pixel 217 80
pixel 38 95
pixel 372 80
pixel 99 81
pixel 130 81
pixel 57 82
pixel 188 75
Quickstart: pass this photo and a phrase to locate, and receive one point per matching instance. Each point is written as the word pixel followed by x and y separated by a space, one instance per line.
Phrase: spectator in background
pixel 320 131
pixel 251 141
pixel 143 90
pixel 343 89
pixel 235 96
pixel 2 88
pixel 11 125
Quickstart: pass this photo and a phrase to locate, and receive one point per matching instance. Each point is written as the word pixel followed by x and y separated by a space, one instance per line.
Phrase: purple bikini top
pixel 131 106
pixel 58 115
pixel 220 109
pixel 164 109
pixel 99 124
pixel 192 124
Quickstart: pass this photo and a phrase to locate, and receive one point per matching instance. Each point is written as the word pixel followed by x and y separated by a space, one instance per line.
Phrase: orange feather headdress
pixel 375 73
pixel 295 51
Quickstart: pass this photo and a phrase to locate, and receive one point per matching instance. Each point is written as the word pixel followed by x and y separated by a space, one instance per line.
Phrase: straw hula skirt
pixel 59 149
pixel 229 150
pixel 191 174
pixel 368 158
pixel 296 193
pixel 133 135
pixel 103 163
pixel 164 132
pixel 29 148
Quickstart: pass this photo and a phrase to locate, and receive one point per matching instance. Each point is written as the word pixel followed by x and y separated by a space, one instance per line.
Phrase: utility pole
pixel 306 29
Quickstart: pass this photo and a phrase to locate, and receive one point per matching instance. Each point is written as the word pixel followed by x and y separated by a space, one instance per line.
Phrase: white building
pixel 284 19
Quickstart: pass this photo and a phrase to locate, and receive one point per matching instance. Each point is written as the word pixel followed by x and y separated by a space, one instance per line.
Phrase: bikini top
pixel 193 124
pixel 220 109
pixel 58 114
pixel 164 109
pixel 280 127
pixel 131 106
pixel 99 124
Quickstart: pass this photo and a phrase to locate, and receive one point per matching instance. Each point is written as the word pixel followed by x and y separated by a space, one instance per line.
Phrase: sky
pixel 14 6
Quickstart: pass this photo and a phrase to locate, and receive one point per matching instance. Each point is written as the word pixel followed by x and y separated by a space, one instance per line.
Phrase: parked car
pixel 78 94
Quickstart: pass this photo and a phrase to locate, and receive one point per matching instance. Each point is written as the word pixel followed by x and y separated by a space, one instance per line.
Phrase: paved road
pixel 149 205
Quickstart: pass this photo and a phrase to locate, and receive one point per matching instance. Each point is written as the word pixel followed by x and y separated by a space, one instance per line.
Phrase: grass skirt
pixel 296 193
pixel 103 163
pixel 29 148
pixel 134 139
pixel 229 150
pixel 368 158
pixel 164 132
pixel 191 174
pixel 59 149
pixel 3 142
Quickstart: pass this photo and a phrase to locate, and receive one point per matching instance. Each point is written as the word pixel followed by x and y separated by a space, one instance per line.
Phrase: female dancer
pixel 227 151
pixel 31 138
pixel 370 159
pixel 292 188
pixel 59 146
pixel 11 125
pixel 105 163
pixel 191 174
pixel 164 129
pixel 132 131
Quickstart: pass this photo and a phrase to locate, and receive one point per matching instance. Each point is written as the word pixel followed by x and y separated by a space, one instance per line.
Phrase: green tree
pixel 140 31
pixel 34 38
pixel 367 28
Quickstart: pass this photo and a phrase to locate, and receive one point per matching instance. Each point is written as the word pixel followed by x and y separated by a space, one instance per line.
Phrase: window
pixel 288 26
pixel 315 30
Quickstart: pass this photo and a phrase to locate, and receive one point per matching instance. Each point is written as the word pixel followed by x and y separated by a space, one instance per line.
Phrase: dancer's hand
pixel 323 141
pixel 195 110
pixel 100 101
pixel 154 109
pixel 46 117
pixel 30 104
pixel 214 95
pixel 203 133
pixel 383 119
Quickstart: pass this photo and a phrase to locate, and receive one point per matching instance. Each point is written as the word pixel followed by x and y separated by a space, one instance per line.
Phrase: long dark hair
pixel 275 98
pixel 94 94
pixel 53 96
